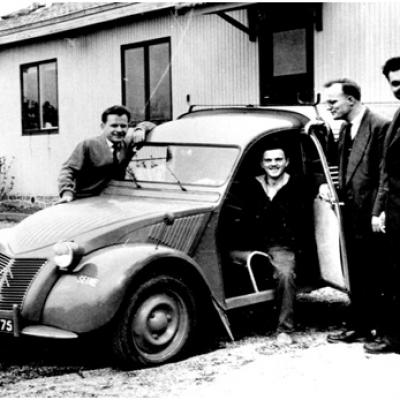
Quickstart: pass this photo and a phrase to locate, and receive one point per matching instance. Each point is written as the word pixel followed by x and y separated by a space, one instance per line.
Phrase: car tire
pixel 157 324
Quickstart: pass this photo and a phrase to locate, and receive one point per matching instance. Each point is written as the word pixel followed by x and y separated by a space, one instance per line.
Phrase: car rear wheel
pixel 157 324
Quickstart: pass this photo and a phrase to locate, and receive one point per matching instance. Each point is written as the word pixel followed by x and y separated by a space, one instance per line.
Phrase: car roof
pixel 230 126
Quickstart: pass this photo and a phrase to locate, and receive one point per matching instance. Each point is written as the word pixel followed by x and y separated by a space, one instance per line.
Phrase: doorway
pixel 286 52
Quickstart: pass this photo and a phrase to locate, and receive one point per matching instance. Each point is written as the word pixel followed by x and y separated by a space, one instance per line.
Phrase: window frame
pixel 38 131
pixel 146 46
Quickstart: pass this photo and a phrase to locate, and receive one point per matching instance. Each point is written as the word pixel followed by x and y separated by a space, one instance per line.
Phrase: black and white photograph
pixel 200 199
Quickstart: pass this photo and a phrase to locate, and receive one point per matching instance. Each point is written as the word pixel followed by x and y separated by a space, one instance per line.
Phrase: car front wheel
pixel 157 324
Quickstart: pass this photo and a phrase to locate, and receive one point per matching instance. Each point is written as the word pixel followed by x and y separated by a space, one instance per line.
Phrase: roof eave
pixel 70 22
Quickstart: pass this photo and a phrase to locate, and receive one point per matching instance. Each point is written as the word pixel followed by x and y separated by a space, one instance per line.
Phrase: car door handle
pixel 332 201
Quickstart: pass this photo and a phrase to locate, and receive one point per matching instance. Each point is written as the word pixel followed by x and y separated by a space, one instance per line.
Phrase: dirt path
pixel 303 370
pixel 254 365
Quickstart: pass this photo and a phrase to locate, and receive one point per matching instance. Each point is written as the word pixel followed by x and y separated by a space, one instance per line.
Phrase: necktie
pixel 347 146
pixel 116 148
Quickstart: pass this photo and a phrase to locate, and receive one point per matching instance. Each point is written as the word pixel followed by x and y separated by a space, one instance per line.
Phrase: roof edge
pixel 79 19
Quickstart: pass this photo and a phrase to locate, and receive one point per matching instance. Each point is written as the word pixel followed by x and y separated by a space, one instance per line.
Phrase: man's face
pixel 339 104
pixel 274 163
pixel 394 82
pixel 115 128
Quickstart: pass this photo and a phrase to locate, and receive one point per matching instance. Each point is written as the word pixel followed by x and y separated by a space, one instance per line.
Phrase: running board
pixel 248 299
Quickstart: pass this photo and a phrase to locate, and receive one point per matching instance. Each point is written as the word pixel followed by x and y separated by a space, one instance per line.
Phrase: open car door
pixel 329 230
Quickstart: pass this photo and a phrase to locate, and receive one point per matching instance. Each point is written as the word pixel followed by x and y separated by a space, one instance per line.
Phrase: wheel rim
pixel 160 325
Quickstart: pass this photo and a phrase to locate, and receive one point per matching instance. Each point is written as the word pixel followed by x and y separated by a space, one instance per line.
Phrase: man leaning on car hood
pixel 97 160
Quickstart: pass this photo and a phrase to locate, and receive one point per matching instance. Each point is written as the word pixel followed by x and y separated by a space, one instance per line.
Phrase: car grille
pixel 181 235
pixel 16 274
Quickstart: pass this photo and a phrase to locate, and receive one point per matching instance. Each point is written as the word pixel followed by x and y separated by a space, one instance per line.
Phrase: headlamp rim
pixel 70 252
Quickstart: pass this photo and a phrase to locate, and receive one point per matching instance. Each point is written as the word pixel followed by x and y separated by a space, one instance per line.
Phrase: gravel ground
pixel 35 368
pixel 256 364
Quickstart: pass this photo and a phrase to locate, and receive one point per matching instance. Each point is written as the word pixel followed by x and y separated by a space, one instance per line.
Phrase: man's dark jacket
pixel 358 185
pixel 282 221
pixel 389 190
pixel 91 166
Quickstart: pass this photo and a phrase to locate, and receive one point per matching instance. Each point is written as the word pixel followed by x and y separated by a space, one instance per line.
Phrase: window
pixel 146 80
pixel 39 98
pixel 183 164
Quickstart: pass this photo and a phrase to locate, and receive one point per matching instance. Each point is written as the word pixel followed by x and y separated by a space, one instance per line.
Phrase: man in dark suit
pixel 359 151
pixel 97 160
pixel 388 203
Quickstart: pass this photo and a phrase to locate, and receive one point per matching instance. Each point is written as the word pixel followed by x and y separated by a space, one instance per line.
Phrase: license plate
pixel 6 325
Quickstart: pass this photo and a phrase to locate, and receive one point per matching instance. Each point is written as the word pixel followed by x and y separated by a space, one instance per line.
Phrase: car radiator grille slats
pixel 180 235
pixel 16 274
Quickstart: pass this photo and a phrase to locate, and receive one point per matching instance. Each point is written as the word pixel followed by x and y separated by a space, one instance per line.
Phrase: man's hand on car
pixel 324 193
pixel 66 197
pixel 140 132
pixel 315 123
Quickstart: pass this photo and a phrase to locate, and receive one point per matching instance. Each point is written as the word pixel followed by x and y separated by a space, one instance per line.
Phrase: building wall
pixel 211 60
pixel 356 40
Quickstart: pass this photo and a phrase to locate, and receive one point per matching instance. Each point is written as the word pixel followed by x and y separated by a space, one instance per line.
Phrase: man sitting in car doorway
pixel 275 211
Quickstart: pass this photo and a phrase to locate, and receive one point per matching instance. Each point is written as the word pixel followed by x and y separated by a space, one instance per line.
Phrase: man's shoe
pixel 347 337
pixel 284 338
pixel 380 347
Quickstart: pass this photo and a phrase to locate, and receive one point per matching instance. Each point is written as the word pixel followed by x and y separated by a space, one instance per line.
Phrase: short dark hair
pixel 393 64
pixel 115 110
pixel 349 87
pixel 274 144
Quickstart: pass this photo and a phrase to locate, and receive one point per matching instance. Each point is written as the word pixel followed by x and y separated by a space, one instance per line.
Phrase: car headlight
pixel 65 254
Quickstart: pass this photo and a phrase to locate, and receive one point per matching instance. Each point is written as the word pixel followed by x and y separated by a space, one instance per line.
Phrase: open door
pixel 329 234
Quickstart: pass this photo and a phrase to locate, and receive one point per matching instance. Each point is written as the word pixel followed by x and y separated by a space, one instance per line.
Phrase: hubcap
pixel 159 323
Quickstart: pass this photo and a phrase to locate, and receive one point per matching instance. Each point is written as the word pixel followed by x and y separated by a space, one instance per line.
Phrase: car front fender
pixel 90 297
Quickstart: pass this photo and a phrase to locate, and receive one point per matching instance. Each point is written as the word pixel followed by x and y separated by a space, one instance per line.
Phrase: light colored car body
pixel 136 231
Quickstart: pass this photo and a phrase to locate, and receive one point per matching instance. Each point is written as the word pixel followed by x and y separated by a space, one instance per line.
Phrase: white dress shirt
pixel 356 122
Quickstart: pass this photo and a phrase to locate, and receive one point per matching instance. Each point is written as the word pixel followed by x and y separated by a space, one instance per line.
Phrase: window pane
pixel 30 101
pixel 160 85
pixel 194 165
pixel 48 95
pixel 289 52
pixel 134 83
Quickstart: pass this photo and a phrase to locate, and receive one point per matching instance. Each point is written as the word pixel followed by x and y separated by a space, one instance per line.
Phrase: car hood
pixel 69 221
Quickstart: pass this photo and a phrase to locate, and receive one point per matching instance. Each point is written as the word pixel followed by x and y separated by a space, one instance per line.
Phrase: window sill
pixel 47 131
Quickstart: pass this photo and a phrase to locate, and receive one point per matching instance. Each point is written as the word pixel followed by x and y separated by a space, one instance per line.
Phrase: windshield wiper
pixel 176 178
pixel 130 172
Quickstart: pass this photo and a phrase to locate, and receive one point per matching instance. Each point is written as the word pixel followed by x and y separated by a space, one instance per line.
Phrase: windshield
pixel 182 165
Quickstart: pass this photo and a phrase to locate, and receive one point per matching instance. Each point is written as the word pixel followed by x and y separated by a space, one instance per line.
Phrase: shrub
pixel 6 179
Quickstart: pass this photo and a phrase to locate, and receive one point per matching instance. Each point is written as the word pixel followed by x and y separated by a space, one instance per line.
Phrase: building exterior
pixel 63 64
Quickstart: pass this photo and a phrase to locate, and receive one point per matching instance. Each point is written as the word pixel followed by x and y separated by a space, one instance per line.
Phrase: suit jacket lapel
pixel 394 131
pixel 108 151
pixel 360 144
pixel 106 148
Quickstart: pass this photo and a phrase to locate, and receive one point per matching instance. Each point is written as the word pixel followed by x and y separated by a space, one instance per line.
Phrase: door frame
pixel 335 206
pixel 265 49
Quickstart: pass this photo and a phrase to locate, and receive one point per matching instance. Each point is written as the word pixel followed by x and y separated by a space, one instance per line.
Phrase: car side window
pixel 313 168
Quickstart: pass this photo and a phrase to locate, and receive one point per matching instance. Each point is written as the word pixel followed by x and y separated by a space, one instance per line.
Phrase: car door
pixel 329 235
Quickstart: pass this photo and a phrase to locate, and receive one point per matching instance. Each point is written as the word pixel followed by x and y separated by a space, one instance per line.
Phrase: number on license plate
pixel 6 325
